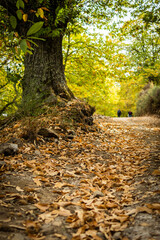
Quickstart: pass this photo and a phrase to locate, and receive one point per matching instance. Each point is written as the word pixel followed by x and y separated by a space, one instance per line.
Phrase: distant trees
pixel 39 27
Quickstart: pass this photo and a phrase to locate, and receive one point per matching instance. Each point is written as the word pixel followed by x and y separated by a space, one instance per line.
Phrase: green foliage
pixel 149 102
pixel 10 92
pixel 145 48
pixel 35 28
pixel 23 45
pixel 19 4
pixel 13 22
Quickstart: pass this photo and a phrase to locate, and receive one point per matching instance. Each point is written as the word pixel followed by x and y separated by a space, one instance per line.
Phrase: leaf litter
pixel 101 184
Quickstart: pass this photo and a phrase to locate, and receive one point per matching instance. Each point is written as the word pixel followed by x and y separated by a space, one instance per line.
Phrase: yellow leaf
pixel 40 12
pixel 17 125
pixel 25 17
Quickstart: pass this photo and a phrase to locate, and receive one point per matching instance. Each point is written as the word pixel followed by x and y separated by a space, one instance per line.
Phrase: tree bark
pixel 44 72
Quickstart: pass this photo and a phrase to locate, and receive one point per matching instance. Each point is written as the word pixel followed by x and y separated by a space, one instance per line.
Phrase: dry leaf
pixel 143 209
pixel 93 234
pixel 47 217
pixel 144 224
pixel 58 185
pixel 156 172
pixel 32 226
pixel 42 206
pixel 62 212
pixel 19 189
pixel 37 181
pixel 5 220
pixel 155 206
pixel 60 236
pixel 110 205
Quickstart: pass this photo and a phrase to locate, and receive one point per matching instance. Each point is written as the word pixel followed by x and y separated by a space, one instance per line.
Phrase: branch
pixel 2 86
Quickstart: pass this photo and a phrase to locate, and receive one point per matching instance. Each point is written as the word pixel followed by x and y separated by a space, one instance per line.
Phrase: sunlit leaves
pixel 97 70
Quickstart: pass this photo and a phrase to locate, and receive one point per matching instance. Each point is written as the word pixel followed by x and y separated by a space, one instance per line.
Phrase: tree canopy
pixel 106 71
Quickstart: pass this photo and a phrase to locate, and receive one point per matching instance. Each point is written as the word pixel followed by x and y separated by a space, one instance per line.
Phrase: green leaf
pixel 23 45
pixel 13 21
pixel 29 52
pixel 19 4
pixel 19 14
pixel 37 38
pixel 35 28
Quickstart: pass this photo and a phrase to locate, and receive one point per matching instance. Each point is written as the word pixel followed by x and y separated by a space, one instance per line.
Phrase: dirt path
pixel 101 184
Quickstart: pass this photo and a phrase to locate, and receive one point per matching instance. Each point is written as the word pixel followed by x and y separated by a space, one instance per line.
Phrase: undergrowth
pixel 149 102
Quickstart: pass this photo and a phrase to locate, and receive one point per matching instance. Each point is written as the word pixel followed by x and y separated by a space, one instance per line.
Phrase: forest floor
pixel 99 182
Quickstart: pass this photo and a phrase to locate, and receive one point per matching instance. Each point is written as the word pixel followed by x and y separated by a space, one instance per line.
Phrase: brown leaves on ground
pixel 91 186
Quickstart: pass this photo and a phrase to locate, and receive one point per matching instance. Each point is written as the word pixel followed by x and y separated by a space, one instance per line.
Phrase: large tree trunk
pixel 44 73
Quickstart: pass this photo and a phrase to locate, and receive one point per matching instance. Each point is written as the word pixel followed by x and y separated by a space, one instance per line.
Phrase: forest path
pixel 102 184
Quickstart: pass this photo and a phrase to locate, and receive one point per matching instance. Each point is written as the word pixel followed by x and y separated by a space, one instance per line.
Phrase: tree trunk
pixel 44 73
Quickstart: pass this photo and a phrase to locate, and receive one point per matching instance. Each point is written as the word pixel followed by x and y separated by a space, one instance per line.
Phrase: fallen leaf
pixel 32 226
pixel 110 205
pixel 144 224
pixel 143 209
pixel 37 181
pixel 155 206
pixel 156 172
pixel 19 189
pixel 62 212
pixel 42 206
pixel 61 184
pixel 47 217
pixel 60 236
pixel 5 220
pixel 93 234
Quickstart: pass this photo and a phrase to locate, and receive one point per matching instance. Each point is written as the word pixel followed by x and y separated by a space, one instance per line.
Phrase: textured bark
pixel 44 72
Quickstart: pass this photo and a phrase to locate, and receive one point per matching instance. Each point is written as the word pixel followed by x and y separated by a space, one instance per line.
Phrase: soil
pixel 97 182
